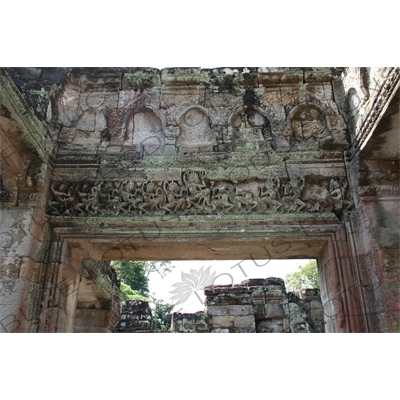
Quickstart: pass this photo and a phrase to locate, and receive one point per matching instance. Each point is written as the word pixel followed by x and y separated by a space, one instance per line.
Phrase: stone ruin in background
pixel 135 317
pixel 254 305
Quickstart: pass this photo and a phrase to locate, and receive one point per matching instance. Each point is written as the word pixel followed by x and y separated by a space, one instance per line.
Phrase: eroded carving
pixel 195 131
pixel 249 125
pixel 310 128
pixel 144 131
pixel 196 194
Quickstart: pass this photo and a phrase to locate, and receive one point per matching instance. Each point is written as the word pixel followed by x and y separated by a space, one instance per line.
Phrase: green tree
pixel 134 276
pixel 305 278
pixel 129 294
pixel 162 315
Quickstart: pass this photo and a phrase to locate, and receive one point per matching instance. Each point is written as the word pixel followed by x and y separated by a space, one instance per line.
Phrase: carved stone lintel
pixel 194 193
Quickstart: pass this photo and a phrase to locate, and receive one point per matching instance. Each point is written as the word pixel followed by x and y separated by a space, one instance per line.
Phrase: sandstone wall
pixel 131 163
pixel 254 305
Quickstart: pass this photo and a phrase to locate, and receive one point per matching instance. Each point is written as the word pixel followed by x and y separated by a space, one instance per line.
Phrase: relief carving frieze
pixel 194 193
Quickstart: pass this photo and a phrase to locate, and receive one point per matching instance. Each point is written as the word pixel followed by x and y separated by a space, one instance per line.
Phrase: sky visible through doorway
pixel 184 285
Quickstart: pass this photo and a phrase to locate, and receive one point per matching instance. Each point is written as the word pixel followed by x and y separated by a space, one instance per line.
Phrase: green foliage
pixel 134 276
pixel 162 315
pixel 129 294
pixel 305 278
pixel 163 268
pixel 136 273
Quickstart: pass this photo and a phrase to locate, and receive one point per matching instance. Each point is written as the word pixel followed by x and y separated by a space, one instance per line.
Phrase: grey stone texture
pixel 252 313
pixel 101 164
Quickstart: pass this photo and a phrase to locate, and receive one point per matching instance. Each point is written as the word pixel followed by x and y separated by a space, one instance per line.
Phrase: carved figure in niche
pixel 337 189
pixel 336 193
pixel 308 122
pixel 269 194
pixel 144 131
pixel 195 131
pixel 292 195
pixel 259 124
pixel 250 126
pixel 198 192
pixel 244 198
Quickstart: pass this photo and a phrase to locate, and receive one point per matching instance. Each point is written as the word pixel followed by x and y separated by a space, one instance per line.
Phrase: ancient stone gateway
pixel 136 163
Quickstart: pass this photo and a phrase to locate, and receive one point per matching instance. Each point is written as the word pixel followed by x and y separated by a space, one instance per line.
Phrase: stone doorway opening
pixel 208 294
pixel 321 239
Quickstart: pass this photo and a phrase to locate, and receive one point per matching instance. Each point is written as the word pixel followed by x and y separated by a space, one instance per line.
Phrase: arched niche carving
pixel 195 131
pixel 309 127
pixel 249 124
pixel 90 128
pixel 145 130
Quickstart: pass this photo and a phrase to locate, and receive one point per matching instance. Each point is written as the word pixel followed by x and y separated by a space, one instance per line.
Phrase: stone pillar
pixel 24 241
pixel 60 281
pixel 340 298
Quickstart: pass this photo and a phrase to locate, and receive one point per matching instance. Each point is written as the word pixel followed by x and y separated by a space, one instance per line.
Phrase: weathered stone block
pixel 259 311
pixel 230 310
pixel 317 314
pixel 11 267
pixel 317 327
pixel 258 296
pixel 242 321
pixel 180 76
pixel 242 330
pixel 296 314
pixel 270 326
pixel 286 325
pixel 253 282
pixel 316 304
pixel 230 298
pixel 141 79
pixel 287 96
pixel 27 268
pixel 37 226
pixel 225 321
pixel 300 327
pixel 271 97
pixel 274 311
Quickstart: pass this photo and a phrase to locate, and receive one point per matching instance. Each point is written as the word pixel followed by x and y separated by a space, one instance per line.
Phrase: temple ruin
pixel 254 305
pixel 101 164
